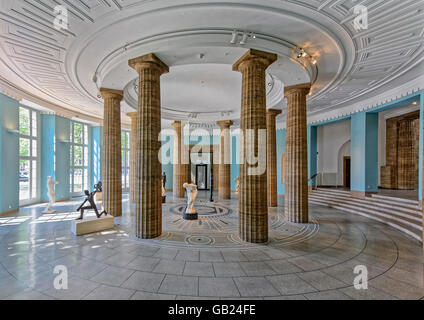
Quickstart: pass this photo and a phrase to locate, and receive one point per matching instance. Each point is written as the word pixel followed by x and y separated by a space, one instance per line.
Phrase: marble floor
pixel 205 259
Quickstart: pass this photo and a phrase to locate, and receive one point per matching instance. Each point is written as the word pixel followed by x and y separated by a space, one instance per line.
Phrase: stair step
pixel 389 198
pixel 414 230
pixel 389 202
pixel 377 211
pixel 371 203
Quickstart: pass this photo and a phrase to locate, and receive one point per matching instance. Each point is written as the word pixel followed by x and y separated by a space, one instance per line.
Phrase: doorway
pixel 202 176
pixel 346 172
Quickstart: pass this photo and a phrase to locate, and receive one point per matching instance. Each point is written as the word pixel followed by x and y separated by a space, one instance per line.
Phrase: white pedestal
pixel 49 211
pixel 92 224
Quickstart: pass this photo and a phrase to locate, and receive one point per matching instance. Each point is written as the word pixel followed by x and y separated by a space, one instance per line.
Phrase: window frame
pixel 85 161
pixel 34 196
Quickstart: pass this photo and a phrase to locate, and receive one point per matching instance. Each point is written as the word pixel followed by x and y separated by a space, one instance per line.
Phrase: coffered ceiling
pixel 63 69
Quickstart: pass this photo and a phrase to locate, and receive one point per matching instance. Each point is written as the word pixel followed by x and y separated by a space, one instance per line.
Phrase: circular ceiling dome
pixel 63 70
pixel 204 92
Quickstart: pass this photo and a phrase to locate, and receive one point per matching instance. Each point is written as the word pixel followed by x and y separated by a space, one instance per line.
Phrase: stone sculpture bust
pixel 50 194
pixel 190 213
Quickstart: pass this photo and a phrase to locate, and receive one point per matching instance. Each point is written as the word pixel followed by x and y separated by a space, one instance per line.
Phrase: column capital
pixel 273 112
pixel 304 88
pixel 132 115
pixel 253 57
pixel 148 61
pixel 111 93
pixel 176 124
pixel 225 124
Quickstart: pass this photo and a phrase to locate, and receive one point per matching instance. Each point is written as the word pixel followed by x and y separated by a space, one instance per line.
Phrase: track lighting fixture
pixel 245 35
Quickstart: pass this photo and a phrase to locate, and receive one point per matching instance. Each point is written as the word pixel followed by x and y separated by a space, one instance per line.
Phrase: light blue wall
pixel 9 154
pixel 364 152
pixel 235 160
pixel 281 149
pixel 312 153
pixel 48 134
pixel 55 134
pixel 96 149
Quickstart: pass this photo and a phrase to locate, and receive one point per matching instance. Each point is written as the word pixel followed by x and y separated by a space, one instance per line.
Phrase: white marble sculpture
pixel 50 194
pixel 163 190
pixel 191 197
pixel 237 180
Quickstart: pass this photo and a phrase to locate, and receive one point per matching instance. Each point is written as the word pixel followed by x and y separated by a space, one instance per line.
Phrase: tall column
pixel 224 169
pixel 271 158
pixel 111 166
pixel 180 170
pixel 296 171
pixel 253 208
pixel 364 151
pixel 133 156
pixel 148 168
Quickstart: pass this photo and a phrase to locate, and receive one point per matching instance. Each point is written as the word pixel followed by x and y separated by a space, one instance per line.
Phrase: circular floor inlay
pixel 204 210
pixel 199 239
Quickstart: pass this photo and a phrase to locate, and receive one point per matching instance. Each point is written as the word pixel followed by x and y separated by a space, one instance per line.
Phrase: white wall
pixel 333 145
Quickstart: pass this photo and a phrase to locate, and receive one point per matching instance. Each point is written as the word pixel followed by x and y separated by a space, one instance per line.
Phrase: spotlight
pixel 314 62
pixel 235 37
pixel 244 39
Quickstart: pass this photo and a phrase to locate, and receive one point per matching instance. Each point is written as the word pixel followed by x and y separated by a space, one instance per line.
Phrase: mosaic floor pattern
pixel 206 259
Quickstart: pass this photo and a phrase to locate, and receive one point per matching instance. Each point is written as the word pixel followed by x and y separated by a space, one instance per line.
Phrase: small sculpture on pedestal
pixel 90 199
pixel 163 191
pixel 190 213
pixel 237 180
pixel 50 194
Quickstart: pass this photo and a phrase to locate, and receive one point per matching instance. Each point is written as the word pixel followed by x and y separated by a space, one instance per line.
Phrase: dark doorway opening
pixel 346 170
pixel 202 176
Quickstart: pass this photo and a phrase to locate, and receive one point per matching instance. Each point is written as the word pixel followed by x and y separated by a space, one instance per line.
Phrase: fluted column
pixel 224 169
pixel 111 159
pixel 271 158
pixel 253 208
pixel 133 156
pixel 296 171
pixel 148 168
pixel 179 169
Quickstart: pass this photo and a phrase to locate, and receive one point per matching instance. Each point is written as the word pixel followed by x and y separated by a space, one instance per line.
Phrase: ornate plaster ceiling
pixel 63 69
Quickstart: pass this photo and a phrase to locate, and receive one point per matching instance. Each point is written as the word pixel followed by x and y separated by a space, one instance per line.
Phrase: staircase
pixel 402 214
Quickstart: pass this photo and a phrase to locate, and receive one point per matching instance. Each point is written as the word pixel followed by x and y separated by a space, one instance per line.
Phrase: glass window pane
pixel 34 179
pixel 78 180
pixel 24 124
pixel 78 156
pixel 24 175
pixel 86 156
pixel 86 187
pixel 77 133
pixel 24 147
pixel 34 124
pixel 34 148
pixel 85 134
